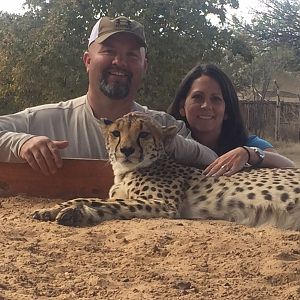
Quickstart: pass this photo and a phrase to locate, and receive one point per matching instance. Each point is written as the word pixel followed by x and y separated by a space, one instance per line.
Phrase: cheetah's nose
pixel 127 151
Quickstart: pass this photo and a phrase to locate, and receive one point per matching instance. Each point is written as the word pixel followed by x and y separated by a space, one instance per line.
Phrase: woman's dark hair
pixel 234 133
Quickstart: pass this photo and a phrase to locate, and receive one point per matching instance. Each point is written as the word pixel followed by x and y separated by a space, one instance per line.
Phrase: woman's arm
pixel 272 159
pixel 236 159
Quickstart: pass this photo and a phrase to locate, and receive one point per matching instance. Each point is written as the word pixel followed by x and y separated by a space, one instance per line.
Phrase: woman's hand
pixel 229 163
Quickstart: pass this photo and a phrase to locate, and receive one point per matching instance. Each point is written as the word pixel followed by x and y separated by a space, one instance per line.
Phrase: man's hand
pixel 228 164
pixel 42 154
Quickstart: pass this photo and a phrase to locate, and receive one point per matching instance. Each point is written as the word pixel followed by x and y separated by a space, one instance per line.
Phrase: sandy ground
pixel 143 259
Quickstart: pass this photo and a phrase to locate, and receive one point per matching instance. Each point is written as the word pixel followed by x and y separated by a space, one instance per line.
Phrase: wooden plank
pixel 77 178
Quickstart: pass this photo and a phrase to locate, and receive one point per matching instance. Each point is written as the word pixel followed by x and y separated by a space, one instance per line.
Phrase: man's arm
pixel 184 148
pixel 18 145
pixel 189 152
pixel 13 134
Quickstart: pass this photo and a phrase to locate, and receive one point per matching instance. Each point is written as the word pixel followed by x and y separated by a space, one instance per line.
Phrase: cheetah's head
pixel 135 141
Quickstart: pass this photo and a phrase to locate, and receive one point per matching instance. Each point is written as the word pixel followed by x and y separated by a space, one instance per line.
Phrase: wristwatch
pixel 260 154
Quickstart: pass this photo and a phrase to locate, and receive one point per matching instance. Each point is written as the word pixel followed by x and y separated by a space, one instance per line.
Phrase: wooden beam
pixel 77 178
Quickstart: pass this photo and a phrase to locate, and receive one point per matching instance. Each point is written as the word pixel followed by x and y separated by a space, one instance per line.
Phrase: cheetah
pixel 149 184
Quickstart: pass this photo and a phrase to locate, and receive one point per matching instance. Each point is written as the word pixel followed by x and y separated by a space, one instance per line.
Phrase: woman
pixel 208 103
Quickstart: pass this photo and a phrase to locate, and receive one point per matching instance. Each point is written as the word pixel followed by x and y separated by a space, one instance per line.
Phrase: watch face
pixel 260 153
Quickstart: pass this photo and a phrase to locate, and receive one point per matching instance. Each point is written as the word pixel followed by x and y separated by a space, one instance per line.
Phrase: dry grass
pixel 290 150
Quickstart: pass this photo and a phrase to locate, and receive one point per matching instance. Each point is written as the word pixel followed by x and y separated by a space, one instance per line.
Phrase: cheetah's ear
pixel 168 133
pixel 104 124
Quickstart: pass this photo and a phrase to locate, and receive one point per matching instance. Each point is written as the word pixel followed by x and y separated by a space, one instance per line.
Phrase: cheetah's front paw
pixel 72 216
pixel 45 215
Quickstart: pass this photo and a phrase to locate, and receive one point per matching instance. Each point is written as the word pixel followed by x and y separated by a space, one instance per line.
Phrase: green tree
pixel 41 51
pixel 263 47
pixel 277 24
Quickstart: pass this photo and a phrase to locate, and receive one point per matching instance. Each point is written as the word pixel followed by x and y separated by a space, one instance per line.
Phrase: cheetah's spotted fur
pixel 148 184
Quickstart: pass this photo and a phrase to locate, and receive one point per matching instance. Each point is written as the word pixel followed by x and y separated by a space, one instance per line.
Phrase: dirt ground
pixel 143 259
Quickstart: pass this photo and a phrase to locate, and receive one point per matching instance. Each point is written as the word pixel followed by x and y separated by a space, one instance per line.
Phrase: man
pixel 116 63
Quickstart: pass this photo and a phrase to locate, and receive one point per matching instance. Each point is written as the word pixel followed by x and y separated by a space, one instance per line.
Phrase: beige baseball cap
pixel 105 27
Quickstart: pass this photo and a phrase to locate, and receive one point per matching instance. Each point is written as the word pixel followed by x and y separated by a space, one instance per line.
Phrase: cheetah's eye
pixel 143 135
pixel 116 133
